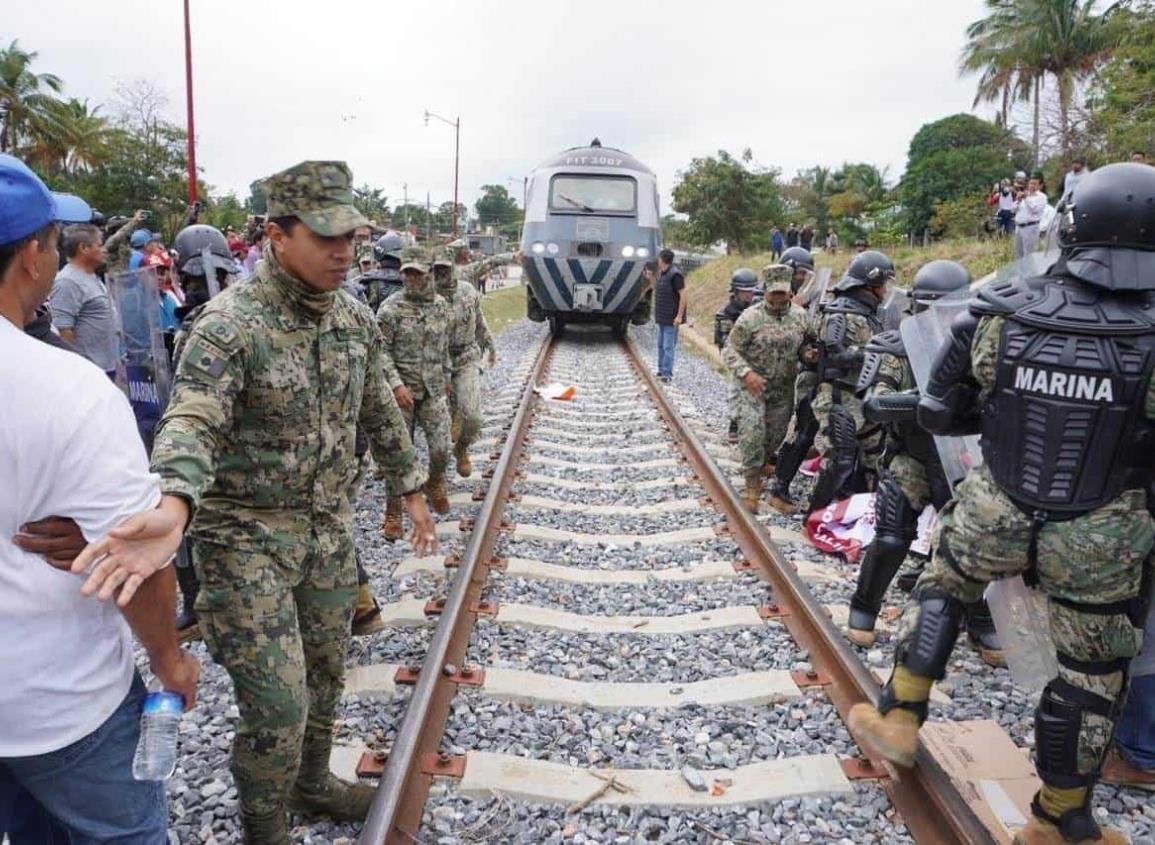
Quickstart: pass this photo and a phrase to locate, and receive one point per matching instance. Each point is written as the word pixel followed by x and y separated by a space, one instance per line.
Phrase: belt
pixel 1025 225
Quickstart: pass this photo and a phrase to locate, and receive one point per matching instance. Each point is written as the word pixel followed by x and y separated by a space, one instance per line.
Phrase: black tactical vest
pixel 835 363
pixel 1064 428
pixel 906 437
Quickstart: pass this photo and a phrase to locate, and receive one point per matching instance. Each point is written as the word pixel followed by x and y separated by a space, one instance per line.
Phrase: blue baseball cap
pixel 140 237
pixel 27 206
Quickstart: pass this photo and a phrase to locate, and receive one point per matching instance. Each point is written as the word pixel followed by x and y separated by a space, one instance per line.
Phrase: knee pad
pixel 926 651
pixel 1058 726
pixel 894 518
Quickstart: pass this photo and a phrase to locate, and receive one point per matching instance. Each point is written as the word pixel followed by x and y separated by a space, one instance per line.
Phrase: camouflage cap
pixel 443 257
pixel 320 193
pixel 776 278
pixel 414 258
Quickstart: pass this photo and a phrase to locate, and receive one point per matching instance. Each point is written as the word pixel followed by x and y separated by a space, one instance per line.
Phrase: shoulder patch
pixel 204 358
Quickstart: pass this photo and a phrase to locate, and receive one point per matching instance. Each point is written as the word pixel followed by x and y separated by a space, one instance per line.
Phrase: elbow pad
pixel 891 407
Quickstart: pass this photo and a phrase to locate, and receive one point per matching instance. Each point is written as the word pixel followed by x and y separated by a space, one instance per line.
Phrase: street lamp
pixel 456 124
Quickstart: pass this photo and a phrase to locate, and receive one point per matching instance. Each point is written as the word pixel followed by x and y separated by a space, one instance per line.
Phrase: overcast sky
pixel 800 83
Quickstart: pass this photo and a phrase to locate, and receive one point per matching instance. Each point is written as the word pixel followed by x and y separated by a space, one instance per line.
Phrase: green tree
pixel 728 199
pixel 1125 99
pixel 955 157
pixel 371 202
pixel 496 207
pixel 24 96
pixel 1022 42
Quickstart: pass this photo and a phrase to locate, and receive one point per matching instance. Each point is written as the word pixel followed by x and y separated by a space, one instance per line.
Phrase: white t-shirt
pixel 68 447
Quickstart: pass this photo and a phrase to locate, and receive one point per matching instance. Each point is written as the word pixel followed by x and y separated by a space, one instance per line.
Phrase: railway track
pixel 642 639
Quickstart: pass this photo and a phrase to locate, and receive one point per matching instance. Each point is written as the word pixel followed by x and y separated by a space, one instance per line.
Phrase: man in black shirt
pixel 669 311
pixel 792 235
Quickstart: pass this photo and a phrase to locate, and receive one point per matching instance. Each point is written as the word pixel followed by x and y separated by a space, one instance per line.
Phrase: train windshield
pixel 593 194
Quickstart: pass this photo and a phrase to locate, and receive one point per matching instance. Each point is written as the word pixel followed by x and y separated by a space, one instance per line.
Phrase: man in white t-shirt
pixel 69 693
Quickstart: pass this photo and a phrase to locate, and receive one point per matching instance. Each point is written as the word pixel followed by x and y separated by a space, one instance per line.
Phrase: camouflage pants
pixel 465 403
pixel 762 422
pixel 912 481
pixel 278 620
pixel 869 435
pixel 1097 558
pixel 432 414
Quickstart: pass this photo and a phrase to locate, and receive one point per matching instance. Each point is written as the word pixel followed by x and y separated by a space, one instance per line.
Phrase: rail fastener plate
pixel 810 678
pixel 440 764
pixel 466 676
pixel 744 565
pixel 372 764
pixel 406 675
pixel 861 768
pixel 483 608
pixel 434 607
pixel 773 611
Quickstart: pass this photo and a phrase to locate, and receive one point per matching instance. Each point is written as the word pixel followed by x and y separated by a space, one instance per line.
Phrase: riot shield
pixel 144 373
pixel 812 294
pixel 895 306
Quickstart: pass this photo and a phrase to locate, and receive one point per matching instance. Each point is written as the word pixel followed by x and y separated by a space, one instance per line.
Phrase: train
pixel 591 226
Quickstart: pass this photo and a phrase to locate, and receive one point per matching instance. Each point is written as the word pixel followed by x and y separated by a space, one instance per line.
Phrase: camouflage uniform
pixel 415 339
pixel 469 339
pixel 117 247
pixel 982 536
pixel 259 439
pixel 473 271
pixel 766 342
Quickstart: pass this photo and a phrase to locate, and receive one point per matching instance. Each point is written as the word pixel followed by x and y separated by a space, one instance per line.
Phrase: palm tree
pixel 1020 42
pixel 22 93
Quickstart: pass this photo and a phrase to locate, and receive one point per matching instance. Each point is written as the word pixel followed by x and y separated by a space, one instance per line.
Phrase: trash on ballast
pixel 558 392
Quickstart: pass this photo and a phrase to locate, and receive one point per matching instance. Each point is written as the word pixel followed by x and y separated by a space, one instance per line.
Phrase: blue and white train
pixel 591 225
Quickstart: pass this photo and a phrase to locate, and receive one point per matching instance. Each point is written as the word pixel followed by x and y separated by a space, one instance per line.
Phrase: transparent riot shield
pixel 144 373
pixel 812 294
pixel 895 306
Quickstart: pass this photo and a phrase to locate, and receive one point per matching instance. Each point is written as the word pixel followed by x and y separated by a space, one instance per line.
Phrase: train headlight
pixel 627 251
pixel 538 248
pixel 552 248
pixel 643 252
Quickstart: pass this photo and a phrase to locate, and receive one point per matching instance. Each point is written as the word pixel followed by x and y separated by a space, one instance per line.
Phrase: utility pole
pixel 191 124
pixel 456 124
pixel 405 188
pixel 428 219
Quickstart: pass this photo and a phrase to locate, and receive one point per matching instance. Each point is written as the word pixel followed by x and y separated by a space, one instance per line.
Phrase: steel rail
pixel 399 801
pixel 933 809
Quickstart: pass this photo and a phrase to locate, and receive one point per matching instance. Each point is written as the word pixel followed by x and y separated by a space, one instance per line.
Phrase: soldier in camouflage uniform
pixel 762 353
pixel 469 338
pixel 1055 372
pixel 258 439
pixel 743 288
pixel 474 271
pixel 116 248
pixel 848 443
pixel 911 474
pixel 414 325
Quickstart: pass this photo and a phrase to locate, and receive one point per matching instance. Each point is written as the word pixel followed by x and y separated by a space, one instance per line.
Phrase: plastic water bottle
pixel 156 751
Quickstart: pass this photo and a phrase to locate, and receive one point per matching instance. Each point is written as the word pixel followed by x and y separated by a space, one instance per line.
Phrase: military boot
pixel 770 467
pixel 1039 832
pixel 438 493
pixel 319 792
pixel 367 614
pixel 981 632
pixel 1075 825
pixel 780 499
pixel 270 829
pixel 394 530
pixel 892 735
pixel 753 490
pixel 464 464
pixel 455 428
pixel 187 624
pixel 732 434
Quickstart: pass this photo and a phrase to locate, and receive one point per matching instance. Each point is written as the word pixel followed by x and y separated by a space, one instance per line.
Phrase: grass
pixel 503 307
pixel 710 284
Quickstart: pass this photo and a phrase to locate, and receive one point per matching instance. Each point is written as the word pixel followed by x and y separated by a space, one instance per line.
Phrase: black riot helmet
pixel 797 257
pixel 389 246
pixel 868 268
pixel 935 280
pixel 192 242
pixel 1107 228
pixel 743 279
